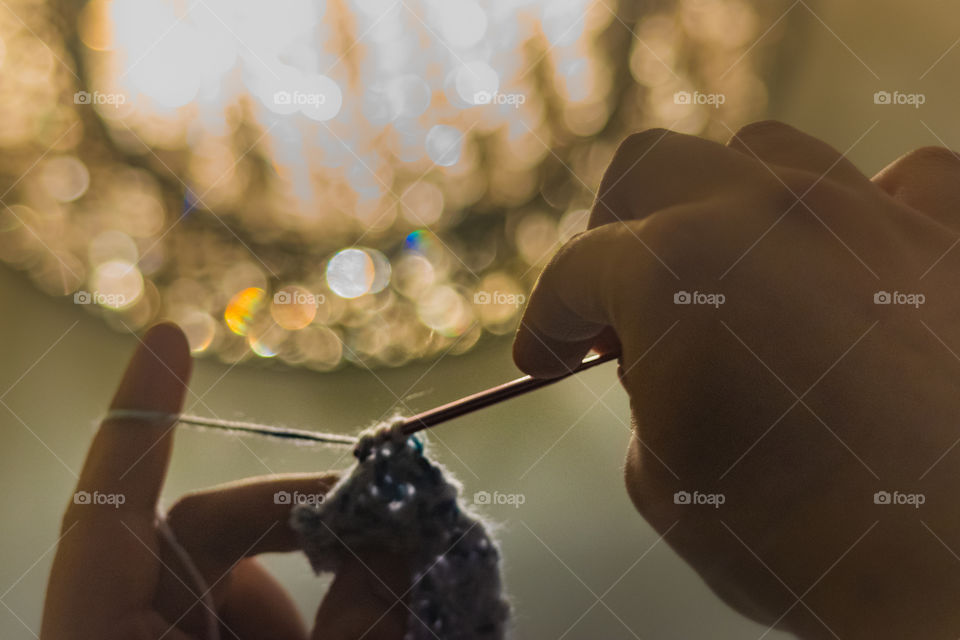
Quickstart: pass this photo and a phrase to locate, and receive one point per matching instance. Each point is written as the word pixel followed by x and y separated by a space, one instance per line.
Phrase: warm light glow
pixel 117 284
pixel 367 180
pixel 294 307
pixel 241 309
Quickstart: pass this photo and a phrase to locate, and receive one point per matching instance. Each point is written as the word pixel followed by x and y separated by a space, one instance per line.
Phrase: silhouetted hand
pixel 115 576
pixel 789 335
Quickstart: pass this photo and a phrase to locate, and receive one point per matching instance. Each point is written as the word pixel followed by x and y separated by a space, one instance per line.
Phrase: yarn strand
pixel 406 426
pixel 284 433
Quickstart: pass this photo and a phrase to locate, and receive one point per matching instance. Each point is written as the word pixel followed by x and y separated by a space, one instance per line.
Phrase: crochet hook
pixel 491 396
pixel 408 426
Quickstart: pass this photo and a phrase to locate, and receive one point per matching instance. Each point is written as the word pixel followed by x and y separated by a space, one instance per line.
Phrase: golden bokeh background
pixel 362 181
pixel 79 190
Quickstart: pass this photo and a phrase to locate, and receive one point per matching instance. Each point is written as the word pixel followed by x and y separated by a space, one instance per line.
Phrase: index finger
pixel 658 169
pixel 105 562
pixel 128 459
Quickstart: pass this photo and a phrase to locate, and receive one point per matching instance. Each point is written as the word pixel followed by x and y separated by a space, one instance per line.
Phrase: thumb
pixel 581 295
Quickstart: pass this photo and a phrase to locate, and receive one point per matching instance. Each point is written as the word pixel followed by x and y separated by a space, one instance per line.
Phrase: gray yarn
pixel 396 499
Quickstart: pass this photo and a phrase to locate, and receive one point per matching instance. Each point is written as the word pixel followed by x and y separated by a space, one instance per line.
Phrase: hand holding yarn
pixel 120 571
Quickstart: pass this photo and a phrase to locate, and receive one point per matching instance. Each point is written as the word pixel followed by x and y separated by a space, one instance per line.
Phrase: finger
pixel 366 599
pixel 223 524
pixel 657 169
pixel 928 180
pixel 257 607
pixel 104 569
pixel 579 294
pixel 776 144
pixel 217 529
pixel 129 457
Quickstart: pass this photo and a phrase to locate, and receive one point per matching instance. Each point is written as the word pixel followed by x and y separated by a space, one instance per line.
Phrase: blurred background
pixel 345 205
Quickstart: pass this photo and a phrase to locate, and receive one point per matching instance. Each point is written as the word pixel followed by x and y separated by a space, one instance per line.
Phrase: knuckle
pixel 933 156
pixel 756 133
pixel 638 145
pixel 761 128
pixel 625 173
pixel 792 185
pixel 794 190
pixel 642 140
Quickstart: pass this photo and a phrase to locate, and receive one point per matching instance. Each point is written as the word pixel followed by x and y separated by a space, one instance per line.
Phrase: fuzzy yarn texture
pixel 397 499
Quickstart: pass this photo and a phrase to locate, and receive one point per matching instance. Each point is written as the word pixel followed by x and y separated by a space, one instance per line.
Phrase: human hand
pixel 116 576
pixel 797 397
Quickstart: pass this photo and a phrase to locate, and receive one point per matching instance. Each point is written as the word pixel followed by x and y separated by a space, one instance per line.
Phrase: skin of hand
pixel 799 397
pixel 115 576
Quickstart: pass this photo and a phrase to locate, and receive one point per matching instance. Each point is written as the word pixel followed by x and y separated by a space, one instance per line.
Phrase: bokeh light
pixel 365 181
pixel 199 327
pixel 117 284
pixel 294 307
pixel 242 309
pixel 350 273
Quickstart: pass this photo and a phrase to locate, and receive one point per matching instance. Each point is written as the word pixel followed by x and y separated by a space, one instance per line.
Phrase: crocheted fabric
pixel 397 499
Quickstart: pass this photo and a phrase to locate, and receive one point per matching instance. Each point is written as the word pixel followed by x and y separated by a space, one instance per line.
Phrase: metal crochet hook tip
pixel 505 391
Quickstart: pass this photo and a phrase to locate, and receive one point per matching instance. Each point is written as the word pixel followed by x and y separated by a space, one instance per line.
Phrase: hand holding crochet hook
pixel 738 284
pixel 787 380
